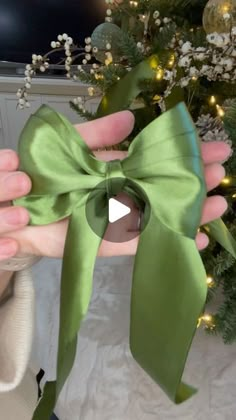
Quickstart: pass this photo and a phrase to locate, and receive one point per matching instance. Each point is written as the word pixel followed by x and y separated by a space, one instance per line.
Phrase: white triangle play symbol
pixel 117 210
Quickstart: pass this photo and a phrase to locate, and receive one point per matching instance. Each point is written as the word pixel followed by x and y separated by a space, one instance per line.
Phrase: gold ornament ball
pixel 219 16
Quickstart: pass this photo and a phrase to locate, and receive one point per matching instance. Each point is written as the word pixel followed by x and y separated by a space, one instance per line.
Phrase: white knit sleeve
pixel 16 332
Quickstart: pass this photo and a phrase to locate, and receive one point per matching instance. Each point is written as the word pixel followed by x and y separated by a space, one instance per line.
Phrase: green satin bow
pixel 164 166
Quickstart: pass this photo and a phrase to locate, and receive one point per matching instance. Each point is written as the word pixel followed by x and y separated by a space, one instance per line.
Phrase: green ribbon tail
pixel 120 96
pixel 80 253
pixel 168 297
pixel 218 230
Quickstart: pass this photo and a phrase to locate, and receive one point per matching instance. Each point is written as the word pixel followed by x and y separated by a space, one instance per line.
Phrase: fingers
pixel 9 160
pixel 107 131
pixel 8 248
pixel 216 151
pixel 213 209
pixel 214 174
pixel 13 185
pixel 202 241
pixel 13 218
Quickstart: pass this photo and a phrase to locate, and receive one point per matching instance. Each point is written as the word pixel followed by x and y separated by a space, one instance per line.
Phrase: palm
pixel 49 240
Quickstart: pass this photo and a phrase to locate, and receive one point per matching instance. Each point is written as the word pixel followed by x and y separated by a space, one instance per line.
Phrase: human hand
pixel 16 237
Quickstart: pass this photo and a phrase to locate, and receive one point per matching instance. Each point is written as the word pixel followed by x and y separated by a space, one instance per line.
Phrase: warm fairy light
pixel 210 281
pixel 133 3
pixel 220 111
pixel 194 78
pixel 99 76
pixel 207 319
pixel 226 181
pixel 234 196
pixel 159 74
pixel 212 100
pixel 171 61
pixel 225 7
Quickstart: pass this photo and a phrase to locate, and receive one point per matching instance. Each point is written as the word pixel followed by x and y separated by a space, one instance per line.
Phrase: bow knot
pixel 115 178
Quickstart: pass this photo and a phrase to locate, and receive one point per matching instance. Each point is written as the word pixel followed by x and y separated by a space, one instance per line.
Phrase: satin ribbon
pixel 164 170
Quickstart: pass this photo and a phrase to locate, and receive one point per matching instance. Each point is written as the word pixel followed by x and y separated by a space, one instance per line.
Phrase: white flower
pixel 22 101
pixel 34 57
pixel 88 48
pixel 109 12
pixel 88 40
pixel 158 22
pixel 39 58
pixel 226 76
pixel 219 69
pixel 184 82
pixel 108 46
pixel 91 91
pixel 68 60
pixel 186 47
pixel 226 16
pixel 108 19
pixel 60 38
pixel 28 85
pixel 168 75
pixel 64 37
pixel 75 77
pixel 53 44
pixel 166 20
pixel 18 95
pixel 184 62
pixel 228 63
pixel 69 41
pixel 84 61
pixel 42 69
pixel 220 40
pixel 88 57
pixel 27 104
pixel 75 100
pixel 28 67
pixel 156 14
pixel 233 30
pixel 193 71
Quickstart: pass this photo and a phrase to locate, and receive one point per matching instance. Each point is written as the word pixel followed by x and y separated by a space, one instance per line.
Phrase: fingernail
pixel 15 216
pixel 7 248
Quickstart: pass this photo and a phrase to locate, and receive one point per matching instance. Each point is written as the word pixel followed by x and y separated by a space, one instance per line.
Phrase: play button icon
pixel 113 214
pixel 117 210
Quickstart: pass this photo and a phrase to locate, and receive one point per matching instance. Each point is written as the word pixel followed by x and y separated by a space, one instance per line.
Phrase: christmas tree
pixel 148 56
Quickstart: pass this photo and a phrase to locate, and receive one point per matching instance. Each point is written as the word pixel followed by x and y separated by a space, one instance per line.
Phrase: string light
pixel 159 74
pixel 207 320
pixel 212 100
pixel 220 111
pixel 210 281
pixel 234 196
pixel 171 61
pixel 226 181
pixel 133 3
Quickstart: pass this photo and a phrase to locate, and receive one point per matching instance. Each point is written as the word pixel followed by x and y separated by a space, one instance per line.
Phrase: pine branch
pixel 85 115
pixel 129 49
